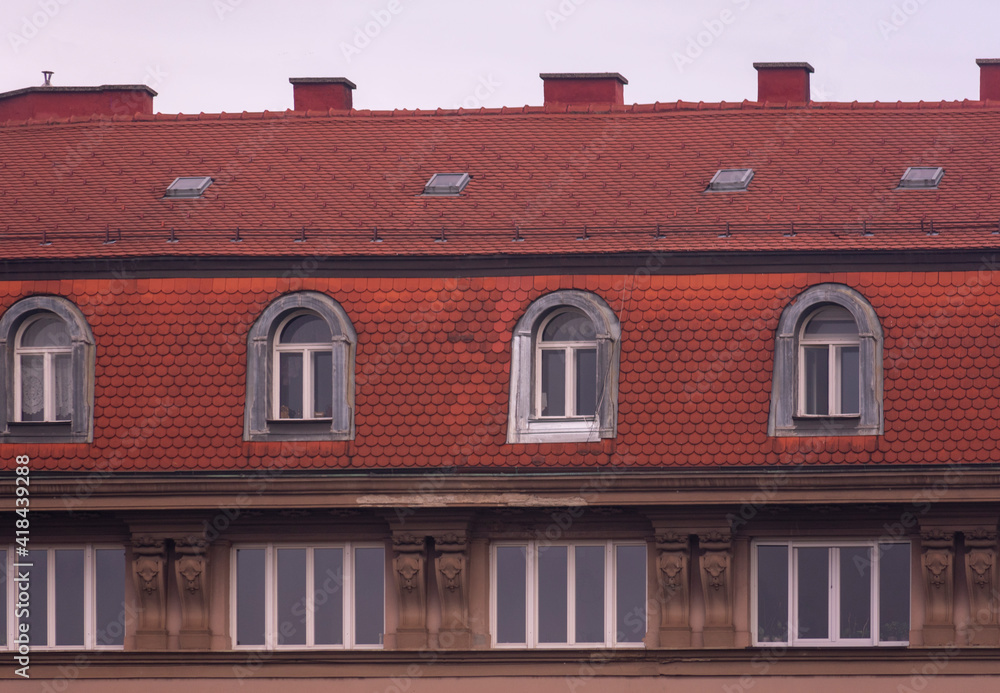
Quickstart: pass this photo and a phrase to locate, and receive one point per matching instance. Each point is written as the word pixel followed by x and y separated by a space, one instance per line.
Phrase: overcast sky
pixel 236 55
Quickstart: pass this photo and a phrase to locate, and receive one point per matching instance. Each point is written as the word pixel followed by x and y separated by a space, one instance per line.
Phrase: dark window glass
pixel 70 599
pixel 586 382
pixel 250 596
pixel 814 593
pixel 322 384
pixel 328 596
pixel 552 594
pixel 38 618
pixel 369 595
pixel 630 597
pixel 855 592
pixel 110 607
pixel 306 329
pixel 772 593
pixel 817 380
pixel 850 381
pixel 291 596
pixel 46 331
pixel 3 601
pixel 290 386
pixel 32 387
pixel 569 327
pixel 553 382
pixel 894 592
pixel 511 594
pixel 589 584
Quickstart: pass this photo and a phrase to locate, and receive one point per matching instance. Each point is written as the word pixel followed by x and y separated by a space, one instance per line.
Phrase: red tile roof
pixel 826 172
pixel 696 363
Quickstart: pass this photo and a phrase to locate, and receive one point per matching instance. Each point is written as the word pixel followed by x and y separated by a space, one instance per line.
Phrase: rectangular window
pixel 75 596
pixel 309 596
pixel 582 594
pixel 849 593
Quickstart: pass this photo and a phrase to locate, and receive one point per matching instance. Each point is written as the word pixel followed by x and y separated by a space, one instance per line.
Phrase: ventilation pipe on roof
pixel 989 79
pixel 781 82
pixel 584 88
pixel 46 101
pixel 322 93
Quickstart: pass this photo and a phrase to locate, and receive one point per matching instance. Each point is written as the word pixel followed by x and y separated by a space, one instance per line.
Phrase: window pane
pixel 772 594
pixel 250 597
pixel 291 596
pixel 306 329
pixel 850 381
pixel 69 597
pixel 590 600
pixel 32 388
pixel 328 596
pixel 569 326
pixel 552 593
pixel 369 595
pixel 553 382
pixel 62 368
pixel 817 367
pixel 110 607
pixel 322 384
pixel 586 382
pixel 630 600
pixel 894 592
pixel 38 618
pixel 3 598
pixel 511 594
pixel 813 586
pixel 855 592
pixel 832 322
pixel 46 331
pixel 290 386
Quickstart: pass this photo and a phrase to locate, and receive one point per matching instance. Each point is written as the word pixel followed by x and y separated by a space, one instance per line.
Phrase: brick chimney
pixel 781 82
pixel 322 93
pixel 989 79
pixel 584 88
pixel 41 103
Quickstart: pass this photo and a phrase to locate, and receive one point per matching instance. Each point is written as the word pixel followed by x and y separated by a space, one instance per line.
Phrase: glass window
pixel 309 596
pixel 567 366
pixel 830 380
pixel 855 593
pixel 569 594
pixel 43 371
pixel 303 370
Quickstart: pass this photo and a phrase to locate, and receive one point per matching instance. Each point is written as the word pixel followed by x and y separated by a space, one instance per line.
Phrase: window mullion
pixel 873 559
pixel 89 596
pixel 270 596
pixel 610 595
pixel 833 603
pixel 348 632
pixel 310 597
pixel 530 604
pixel 571 594
pixel 570 371
pixel 50 595
pixel 48 397
pixel 308 409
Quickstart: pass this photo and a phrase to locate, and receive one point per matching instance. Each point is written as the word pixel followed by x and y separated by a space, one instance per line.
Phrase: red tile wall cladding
pixel 433 361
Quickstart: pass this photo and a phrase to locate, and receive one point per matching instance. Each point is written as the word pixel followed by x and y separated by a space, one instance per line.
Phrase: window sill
pixel 559 431
pixel 299 429
pixel 818 426
pixel 42 432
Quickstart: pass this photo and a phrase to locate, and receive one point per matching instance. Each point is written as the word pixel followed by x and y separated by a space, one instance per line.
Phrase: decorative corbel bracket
pixel 937 563
pixel 452 575
pixel 149 560
pixel 673 555
pixel 408 565
pixel 190 569
pixel 981 580
pixel 715 566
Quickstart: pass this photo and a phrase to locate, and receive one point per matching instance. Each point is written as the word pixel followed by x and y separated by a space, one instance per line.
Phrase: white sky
pixel 236 55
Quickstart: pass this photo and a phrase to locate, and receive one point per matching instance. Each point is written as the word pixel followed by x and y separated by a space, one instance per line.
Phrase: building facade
pixel 580 395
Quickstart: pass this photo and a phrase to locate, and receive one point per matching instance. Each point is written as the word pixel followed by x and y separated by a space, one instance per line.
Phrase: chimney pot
pixel 47 76
pixel 780 82
pixel 592 88
pixel 322 93
pixel 989 79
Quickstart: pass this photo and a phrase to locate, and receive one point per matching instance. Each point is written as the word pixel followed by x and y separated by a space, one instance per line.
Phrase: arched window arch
pixel 564 370
pixel 48 372
pixel 827 366
pixel 300 371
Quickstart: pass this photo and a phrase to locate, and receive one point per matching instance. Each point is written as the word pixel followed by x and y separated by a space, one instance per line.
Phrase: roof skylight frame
pixel 730 180
pixel 921 178
pixel 188 187
pixel 447 184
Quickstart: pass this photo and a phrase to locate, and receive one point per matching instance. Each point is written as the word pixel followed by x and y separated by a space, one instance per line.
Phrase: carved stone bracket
pixel 411 589
pixel 190 568
pixel 149 559
pixel 981 579
pixel 937 564
pixel 715 566
pixel 451 569
pixel 673 553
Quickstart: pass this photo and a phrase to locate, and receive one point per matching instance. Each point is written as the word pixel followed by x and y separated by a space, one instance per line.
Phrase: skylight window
pixel 728 179
pixel 447 183
pixel 921 177
pixel 188 186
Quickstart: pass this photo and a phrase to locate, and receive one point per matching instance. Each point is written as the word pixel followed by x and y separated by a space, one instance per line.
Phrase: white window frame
pixel 569 349
pixel 308 382
pixel 271 624
pixel 834 347
pixel 531 594
pixel 48 354
pixel 89 593
pixel 833 603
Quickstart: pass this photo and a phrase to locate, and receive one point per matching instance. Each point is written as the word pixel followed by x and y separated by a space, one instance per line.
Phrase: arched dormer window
pixel 300 371
pixel 827 366
pixel 48 373
pixel 564 370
